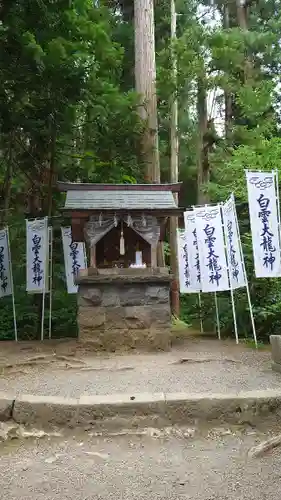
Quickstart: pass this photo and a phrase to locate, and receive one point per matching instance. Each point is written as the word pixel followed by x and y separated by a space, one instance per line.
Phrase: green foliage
pixel 62 108
pixel 264 155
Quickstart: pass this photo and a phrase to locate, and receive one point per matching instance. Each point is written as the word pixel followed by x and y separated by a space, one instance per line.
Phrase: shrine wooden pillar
pixel 154 255
pixel 93 257
pixel 77 228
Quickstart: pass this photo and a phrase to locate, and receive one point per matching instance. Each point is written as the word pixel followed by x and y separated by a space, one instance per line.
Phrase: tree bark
pixel 227 94
pixel 145 78
pixel 7 187
pixel 203 167
pixel 242 14
pixel 174 168
pixel 51 170
pixel 242 19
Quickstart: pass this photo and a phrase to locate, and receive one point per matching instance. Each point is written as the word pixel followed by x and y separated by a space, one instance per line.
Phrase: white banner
pixel 213 266
pixel 235 263
pixel 6 287
pixel 262 197
pixel 74 258
pixel 36 255
pixel 192 252
pixel 184 275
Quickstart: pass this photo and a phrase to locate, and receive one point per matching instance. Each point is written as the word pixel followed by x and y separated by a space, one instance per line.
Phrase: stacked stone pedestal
pixel 125 309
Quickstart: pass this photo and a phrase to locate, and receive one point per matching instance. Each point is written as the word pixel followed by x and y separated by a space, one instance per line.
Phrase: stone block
pixel 45 410
pixel 93 337
pixel 138 317
pixel 157 295
pixel 112 340
pixel 115 339
pixel 125 406
pixel 245 407
pixel 276 367
pixel 151 339
pixel 160 315
pixel 89 296
pixel 115 318
pixel 110 296
pixel 132 295
pixel 89 317
pixel 184 408
pixel 275 341
pixel 6 406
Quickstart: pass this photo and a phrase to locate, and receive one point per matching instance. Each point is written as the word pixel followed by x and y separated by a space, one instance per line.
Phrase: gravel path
pixel 213 466
pixel 198 366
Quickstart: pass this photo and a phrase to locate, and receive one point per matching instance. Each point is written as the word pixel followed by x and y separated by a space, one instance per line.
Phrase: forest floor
pixel 69 369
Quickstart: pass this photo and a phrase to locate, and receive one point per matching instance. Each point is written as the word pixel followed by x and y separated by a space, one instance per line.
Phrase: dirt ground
pixel 68 368
pixel 172 463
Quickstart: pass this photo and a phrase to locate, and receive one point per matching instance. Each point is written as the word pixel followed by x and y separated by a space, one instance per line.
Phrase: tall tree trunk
pixel 145 77
pixel 227 93
pixel 174 104
pixel 51 170
pixel 242 14
pixel 203 167
pixel 174 167
pixel 242 19
pixel 7 187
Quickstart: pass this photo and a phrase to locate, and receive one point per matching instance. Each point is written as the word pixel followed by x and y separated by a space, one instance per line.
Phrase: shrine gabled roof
pixel 80 186
pixel 119 200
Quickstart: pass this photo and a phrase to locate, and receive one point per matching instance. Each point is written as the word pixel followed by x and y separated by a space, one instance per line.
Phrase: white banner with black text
pixel 184 276
pixel 36 255
pixel 235 262
pixel 212 257
pixel 6 287
pixel 74 258
pixel 262 197
pixel 194 283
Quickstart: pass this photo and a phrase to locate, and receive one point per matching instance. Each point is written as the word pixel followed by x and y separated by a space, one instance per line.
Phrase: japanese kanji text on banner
pixel 36 255
pixel 74 258
pixel 5 265
pixel 192 252
pixel 213 265
pixel 184 275
pixel 262 196
pixel 235 262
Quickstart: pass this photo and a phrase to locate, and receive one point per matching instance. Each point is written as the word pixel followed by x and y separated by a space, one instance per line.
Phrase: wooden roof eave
pixel 85 214
pixel 73 186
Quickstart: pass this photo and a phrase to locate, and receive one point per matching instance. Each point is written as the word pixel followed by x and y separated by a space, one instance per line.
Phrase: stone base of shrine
pixel 125 309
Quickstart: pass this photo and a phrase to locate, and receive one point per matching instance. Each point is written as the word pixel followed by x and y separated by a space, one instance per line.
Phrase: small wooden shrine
pixel 124 296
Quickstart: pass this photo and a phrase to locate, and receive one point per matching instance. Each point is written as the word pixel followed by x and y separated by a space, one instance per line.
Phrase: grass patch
pixel 178 324
pixel 251 344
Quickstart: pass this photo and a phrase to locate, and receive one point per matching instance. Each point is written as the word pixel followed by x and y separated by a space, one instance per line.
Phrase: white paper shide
pixel 234 255
pixel 5 265
pixel 212 257
pixel 262 197
pixel 192 251
pixel 74 258
pixel 36 255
